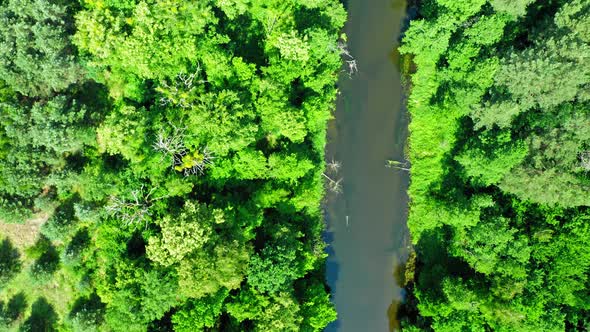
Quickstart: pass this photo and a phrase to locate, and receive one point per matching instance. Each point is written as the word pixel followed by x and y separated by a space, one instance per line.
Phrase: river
pixel 367 234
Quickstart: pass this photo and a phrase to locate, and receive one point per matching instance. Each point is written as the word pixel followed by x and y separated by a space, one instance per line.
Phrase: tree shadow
pixel 307 18
pixel 10 263
pixel 43 317
pixel 14 309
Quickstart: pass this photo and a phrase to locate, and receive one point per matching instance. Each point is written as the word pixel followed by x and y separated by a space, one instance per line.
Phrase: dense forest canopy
pixel 176 149
pixel 500 152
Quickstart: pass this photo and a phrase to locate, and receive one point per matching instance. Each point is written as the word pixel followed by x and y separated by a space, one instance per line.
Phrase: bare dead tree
pixel 196 164
pixel 179 91
pixel 343 50
pixel 334 186
pixel 352 67
pixel 351 64
pixel 403 166
pixel 134 210
pixel 334 166
pixel 171 144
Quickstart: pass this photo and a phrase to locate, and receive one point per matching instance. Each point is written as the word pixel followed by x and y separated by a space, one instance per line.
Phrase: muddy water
pixel 367 222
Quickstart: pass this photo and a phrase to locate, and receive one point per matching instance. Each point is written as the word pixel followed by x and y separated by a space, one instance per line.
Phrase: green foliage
pixel 60 223
pixel 219 266
pixel 147 40
pixel 498 145
pixel 187 233
pixel 35 141
pixel 186 169
pixel 43 317
pixel 87 313
pixel 199 314
pixel 36 56
pixel 316 308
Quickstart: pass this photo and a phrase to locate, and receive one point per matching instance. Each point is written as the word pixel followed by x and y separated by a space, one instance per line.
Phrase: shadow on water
pixel 366 224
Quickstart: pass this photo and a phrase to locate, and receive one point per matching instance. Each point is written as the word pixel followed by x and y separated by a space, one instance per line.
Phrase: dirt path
pixel 23 235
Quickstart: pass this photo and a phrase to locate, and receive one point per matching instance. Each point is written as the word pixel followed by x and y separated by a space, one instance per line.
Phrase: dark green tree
pixel 36 56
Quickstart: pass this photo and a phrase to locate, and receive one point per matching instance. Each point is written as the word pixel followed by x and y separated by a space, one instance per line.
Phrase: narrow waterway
pixel 367 234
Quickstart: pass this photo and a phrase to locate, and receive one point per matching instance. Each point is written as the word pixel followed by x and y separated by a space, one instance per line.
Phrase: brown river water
pixel 367 233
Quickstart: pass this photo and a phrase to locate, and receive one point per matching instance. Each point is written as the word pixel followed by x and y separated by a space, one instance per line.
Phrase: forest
pixel 500 165
pixel 170 155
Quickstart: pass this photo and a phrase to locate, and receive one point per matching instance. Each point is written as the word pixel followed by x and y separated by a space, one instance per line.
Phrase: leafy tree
pixel 186 234
pixel 35 142
pixel 498 149
pixel 143 40
pixel 43 317
pixel 87 313
pixel 36 56
pixel 493 247
pixel 219 102
pixel 46 264
pixel 272 269
pixel 215 267
pixel 199 314
pixel 316 309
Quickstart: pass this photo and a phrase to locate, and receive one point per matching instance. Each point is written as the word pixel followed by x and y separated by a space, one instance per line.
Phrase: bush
pixel 61 222
pixel 46 264
pixel 87 313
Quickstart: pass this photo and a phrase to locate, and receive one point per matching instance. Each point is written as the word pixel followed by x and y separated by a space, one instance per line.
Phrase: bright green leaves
pixel 199 314
pixel 499 149
pixel 462 9
pixel 487 30
pixel 189 242
pixel 488 158
pixel 292 47
pixel 493 247
pixel 188 232
pixel 123 132
pixel 221 122
pixel 36 56
pixel 156 40
pixel 278 118
pixel 222 264
pixel 216 101
pixel 316 308
pixel 270 270
pixel 277 313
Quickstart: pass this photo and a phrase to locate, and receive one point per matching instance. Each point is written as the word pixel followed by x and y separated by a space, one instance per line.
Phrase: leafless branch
pixel 134 210
pixel 334 166
pixel 334 186
pixel 198 166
